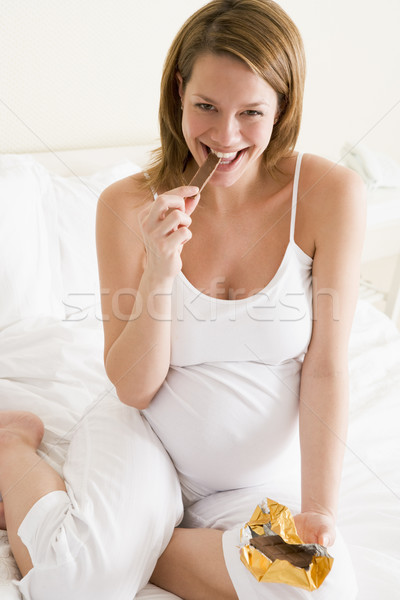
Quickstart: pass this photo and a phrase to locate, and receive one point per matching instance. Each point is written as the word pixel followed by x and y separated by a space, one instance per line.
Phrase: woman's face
pixel 227 109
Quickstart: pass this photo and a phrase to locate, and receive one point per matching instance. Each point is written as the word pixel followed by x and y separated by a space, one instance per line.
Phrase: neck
pixel 244 192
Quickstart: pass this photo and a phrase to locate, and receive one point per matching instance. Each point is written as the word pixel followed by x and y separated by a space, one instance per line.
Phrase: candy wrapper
pixel 272 550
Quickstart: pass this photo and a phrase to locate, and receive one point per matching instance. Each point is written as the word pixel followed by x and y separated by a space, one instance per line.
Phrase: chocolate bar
pixel 274 553
pixel 274 548
pixel 206 171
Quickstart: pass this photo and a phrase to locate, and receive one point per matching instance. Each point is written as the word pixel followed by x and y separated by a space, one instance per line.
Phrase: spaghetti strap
pixel 294 196
pixel 155 195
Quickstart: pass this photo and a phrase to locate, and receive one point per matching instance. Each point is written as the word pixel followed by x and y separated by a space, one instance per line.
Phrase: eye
pixel 205 107
pixel 253 113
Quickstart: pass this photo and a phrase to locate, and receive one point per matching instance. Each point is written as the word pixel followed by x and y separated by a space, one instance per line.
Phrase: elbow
pixel 134 400
pixel 134 396
pixel 325 367
pixel 326 371
pixel 138 391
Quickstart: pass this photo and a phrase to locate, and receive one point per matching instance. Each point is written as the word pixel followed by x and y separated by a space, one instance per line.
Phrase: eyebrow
pixel 251 105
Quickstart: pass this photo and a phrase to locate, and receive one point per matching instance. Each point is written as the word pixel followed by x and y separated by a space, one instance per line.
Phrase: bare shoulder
pixel 125 197
pixel 324 181
pixel 117 221
pixel 333 198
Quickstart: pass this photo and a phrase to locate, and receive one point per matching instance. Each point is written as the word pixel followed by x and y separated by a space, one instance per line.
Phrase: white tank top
pixel 229 404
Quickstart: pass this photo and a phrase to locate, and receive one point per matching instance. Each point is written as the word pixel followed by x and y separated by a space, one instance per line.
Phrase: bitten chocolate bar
pixel 274 548
pixel 206 171
pixel 274 553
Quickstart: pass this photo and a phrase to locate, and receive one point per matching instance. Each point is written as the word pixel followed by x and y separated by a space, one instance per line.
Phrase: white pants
pixel 101 539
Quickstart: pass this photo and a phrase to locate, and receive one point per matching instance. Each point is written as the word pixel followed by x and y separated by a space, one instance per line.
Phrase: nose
pixel 226 131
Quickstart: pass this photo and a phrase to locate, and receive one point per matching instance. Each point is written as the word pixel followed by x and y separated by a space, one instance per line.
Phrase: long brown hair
pixel 261 34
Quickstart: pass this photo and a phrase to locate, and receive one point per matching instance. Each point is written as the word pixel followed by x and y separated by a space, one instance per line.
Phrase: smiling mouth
pixel 227 157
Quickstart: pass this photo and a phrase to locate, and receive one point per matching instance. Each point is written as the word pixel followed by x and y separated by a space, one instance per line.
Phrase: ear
pixel 180 84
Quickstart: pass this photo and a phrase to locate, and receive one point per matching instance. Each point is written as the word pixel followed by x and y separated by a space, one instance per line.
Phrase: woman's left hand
pixel 316 528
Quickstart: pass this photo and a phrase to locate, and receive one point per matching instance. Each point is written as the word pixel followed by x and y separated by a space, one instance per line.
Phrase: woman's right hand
pixel 165 229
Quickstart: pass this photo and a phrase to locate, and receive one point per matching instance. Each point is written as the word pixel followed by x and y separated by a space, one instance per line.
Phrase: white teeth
pixel 222 155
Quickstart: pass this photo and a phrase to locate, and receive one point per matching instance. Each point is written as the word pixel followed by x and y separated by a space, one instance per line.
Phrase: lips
pixel 228 158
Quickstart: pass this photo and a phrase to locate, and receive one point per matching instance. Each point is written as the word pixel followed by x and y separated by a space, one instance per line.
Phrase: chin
pixel 223 180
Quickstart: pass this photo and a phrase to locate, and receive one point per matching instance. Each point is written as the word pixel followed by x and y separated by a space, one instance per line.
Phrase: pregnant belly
pixel 225 424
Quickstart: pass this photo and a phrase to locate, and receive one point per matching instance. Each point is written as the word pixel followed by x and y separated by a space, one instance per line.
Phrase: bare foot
pixel 24 426
pixel 2 517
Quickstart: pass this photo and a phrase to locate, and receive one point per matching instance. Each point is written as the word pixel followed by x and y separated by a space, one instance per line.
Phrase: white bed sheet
pixel 55 369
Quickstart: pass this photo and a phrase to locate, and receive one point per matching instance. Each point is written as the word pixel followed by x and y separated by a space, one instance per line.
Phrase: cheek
pixel 192 126
pixel 261 135
pixel 269 126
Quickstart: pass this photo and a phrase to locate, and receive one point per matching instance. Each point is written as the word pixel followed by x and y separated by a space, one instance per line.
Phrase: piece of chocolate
pixel 206 171
pixel 274 548
pixel 274 553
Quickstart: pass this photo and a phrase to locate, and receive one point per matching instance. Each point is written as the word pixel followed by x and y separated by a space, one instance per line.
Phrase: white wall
pixel 85 73
pixel 353 83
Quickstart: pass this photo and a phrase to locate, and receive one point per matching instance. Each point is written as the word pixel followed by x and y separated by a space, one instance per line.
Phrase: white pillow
pixel 28 278
pixel 76 199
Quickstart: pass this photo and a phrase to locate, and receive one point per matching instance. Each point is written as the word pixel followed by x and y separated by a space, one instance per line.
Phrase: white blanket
pixel 55 368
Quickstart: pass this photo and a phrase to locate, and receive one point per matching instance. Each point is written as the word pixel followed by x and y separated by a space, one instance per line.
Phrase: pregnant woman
pixel 226 319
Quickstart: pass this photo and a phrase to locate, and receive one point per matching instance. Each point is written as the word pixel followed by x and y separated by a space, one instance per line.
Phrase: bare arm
pixel 139 242
pixel 324 382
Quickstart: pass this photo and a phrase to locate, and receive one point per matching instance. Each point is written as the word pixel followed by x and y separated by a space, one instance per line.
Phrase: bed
pixel 51 349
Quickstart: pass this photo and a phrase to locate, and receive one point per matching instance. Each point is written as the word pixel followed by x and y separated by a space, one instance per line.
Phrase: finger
pixel 181 236
pixel 165 203
pixel 325 538
pixel 191 203
pixel 176 240
pixel 172 199
pixel 184 191
pixel 173 221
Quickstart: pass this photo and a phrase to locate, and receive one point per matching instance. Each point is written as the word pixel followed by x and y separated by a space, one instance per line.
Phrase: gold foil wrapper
pixel 273 552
